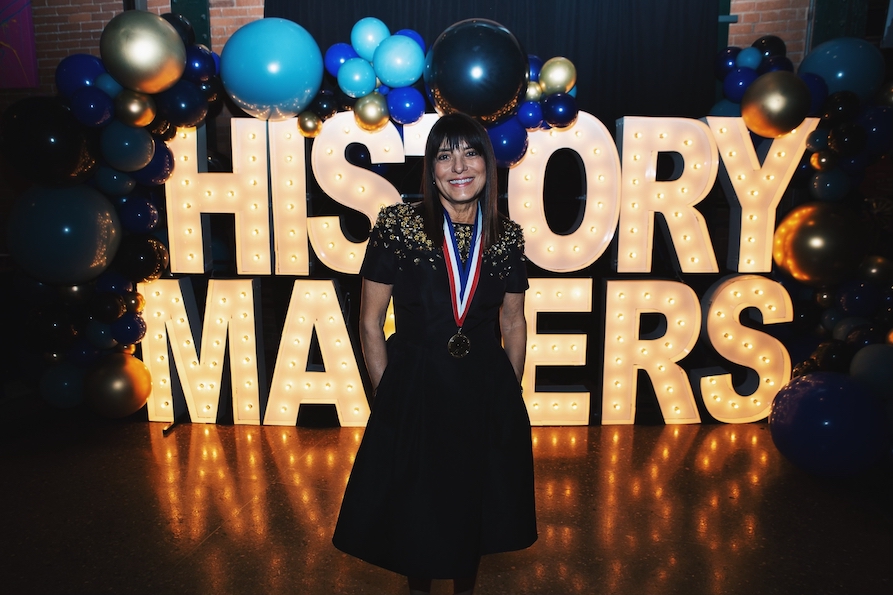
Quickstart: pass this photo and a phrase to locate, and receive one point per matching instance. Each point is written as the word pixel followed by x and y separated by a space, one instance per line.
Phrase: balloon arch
pixel 92 226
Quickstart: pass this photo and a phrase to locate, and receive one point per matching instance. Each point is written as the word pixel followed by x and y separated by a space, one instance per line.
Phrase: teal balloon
pixel 847 64
pixel 873 367
pixel 108 84
pixel 398 61
pixel 366 35
pixel 113 182
pixel 63 236
pixel 749 58
pixel 126 148
pixel 356 77
pixel 62 385
pixel 724 107
pixel 272 68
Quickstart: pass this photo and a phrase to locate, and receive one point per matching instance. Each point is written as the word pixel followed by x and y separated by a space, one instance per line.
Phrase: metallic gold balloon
pixel 142 51
pixel 309 124
pixel 534 91
pixel 371 111
pixel 775 103
pixel 134 108
pixel 558 75
pixel 117 385
pixel 818 243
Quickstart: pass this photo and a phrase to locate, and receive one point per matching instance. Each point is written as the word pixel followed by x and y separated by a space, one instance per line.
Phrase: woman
pixel 445 470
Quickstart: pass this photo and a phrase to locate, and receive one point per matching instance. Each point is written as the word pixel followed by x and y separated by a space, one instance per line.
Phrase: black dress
pixel 444 473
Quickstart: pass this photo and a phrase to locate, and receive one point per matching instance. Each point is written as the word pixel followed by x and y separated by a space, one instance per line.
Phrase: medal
pixel 463 278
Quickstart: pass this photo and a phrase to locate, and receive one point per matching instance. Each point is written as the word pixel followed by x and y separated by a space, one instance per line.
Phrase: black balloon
pixel 325 104
pixel 107 307
pixel 45 143
pixel 183 27
pixel 183 105
pixel 477 67
pixel 141 258
pixel 770 45
pixel 847 139
pixel 833 356
pixel 839 107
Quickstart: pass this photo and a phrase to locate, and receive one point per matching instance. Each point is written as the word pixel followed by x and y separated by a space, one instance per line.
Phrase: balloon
pixel 530 114
pixel 775 103
pixel 509 139
pixel 775 63
pixel 398 61
pixel 183 27
pixel 325 105
pixel 415 36
pixel 44 142
pixel 818 91
pixel 839 107
pixel 770 46
pixel 337 55
pixel 356 77
pixel 832 356
pixel 92 107
pixel 133 301
pixel 62 385
pixel 557 75
pixel 77 71
pixel 477 67
pixel 271 81
pixel 160 167
pixel 749 58
pixel 831 317
pixel 366 35
pixel 108 85
pixel 873 367
pixel 114 282
pixel 130 328
pixel 847 325
pixel 106 307
pixel 371 111
pixel 559 110
pixel 818 244
pixel 823 160
pixel 134 108
pixel 82 352
pixel 847 139
pixel 63 235
pixel 724 107
pixel 817 139
pixel 828 424
pixel 142 51
pixel 126 148
pixel 859 298
pixel 737 82
pixel 309 124
pixel 183 105
pixel 117 385
pixel 847 64
pixel 137 215
pixel 141 258
pixel 877 121
pixel 876 269
pixel 830 186
pixel 200 66
pixel 726 61
pixel 406 105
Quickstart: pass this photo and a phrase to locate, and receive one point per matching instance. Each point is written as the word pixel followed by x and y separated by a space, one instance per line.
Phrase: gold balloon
pixel 142 51
pixel 558 75
pixel 371 111
pixel 534 91
pixel 309 124
pixel 134 108
pixel 818 244
pixel 117 385
pixel 775 103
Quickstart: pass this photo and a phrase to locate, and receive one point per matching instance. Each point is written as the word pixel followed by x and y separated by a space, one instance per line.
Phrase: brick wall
pixel 787 19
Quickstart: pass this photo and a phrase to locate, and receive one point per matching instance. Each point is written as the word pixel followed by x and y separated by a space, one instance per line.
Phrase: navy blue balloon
pixel 559 110
pixel 76 71
pixel 129 329
pixel 92 106
pixel 830 186
pixel 818 91
pixel 509 140
pixel 859 298
pixel 817 140
pixel 831 316
pixel 183 104
pixel 200 64
pixel 137 214
pixel 828 424
pixel 877 121
pixel 530 113
pixel 536 65
pixel 406 105
pixel 737 81
pixel 775 63
pixel 725 62
pixel 82 352
pixel 159 169
pixel 113 282
pixel 338 54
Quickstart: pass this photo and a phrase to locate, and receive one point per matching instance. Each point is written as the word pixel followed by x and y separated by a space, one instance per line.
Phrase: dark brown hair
pixel 455 129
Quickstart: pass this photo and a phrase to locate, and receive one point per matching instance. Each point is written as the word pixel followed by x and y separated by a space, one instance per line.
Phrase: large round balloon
pixel 63 235
pixel 398 61
pixel 775 103
pixel 272 68
pixel 142 51
pixel 847 64
pixel 828 424
pixel 117 385
pixel 818 243
pixel 44 142
pixel 477 67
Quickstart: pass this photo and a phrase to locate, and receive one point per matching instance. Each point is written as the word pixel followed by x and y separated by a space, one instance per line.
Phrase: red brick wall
pixel 786 19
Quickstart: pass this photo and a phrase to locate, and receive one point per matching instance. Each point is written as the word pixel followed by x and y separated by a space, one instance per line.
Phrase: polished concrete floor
pixel 95 506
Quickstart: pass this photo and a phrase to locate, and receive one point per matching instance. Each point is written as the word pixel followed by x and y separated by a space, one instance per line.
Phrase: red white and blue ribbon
pixel 463 276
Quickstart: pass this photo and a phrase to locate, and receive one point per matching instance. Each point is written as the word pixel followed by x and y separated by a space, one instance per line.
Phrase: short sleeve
pixel 516 281
pixel 380 262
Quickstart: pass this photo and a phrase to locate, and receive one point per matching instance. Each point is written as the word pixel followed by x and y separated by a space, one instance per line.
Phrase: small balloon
pixel 92 107
pixel 398 61
pixel 406 105
pixel 183 105
pixel 141 258
pixel 749 58
pixel 847 139
pixel 726 61
pixel 530 114
pixel 557 75
pixel 371 111
pixel 356 78
pixel 559 110
pixel 129 328
pixel 200 65
pixel 324 105
pixel 823 160
pixel 770 46
pixel 134 108
pixel 108 85
pixel 117 385
pixel 876 269
pixel 830 185
pixel 736 83
pixel 309 124
pixel 142 51
pixel 337 55
pixel 509 139
pixel 137 214
pixel 775 104
pixel 366 35
pixel 126 148
pixel 534 91
pixel 839 107
pixel 77 71
pixel 160 167
pixel 134 301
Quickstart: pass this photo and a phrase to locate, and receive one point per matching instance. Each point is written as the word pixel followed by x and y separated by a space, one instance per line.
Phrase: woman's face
pixel 460 173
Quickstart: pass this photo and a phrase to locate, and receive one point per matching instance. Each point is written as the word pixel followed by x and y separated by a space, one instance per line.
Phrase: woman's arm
pixel 373 309
pixel 513 327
